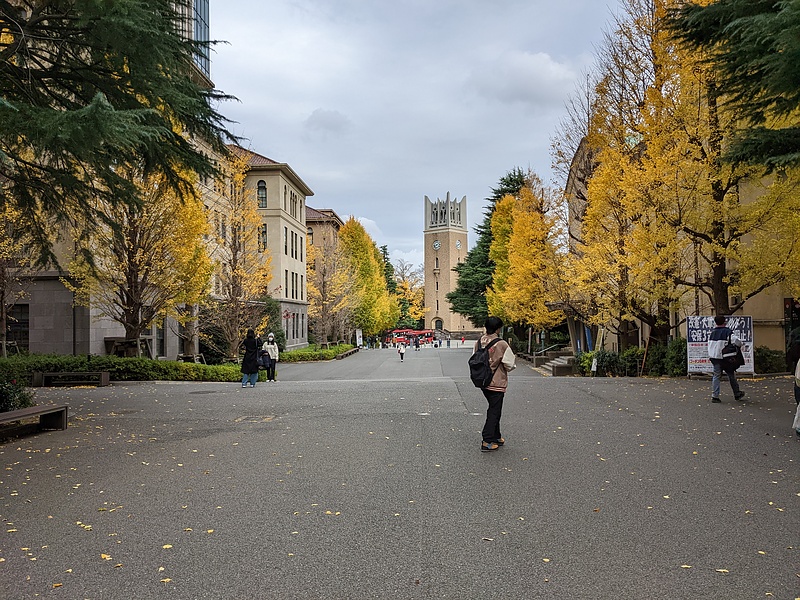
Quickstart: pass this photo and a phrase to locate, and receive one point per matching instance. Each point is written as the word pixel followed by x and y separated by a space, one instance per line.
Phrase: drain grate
pixel 255 419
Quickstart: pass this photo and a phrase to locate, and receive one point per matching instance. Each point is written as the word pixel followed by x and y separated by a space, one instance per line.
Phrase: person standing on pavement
pixel 271 355
pixel 716 342
pixel 401 350
pixel 250 359
pixel 501 361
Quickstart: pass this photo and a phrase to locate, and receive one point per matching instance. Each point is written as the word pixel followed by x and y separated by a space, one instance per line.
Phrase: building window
pixel 19 326
pixel 201 34
pixel 161 345
pixel 286 283
pixel 285 240
pixel 302 245
pixel 302 285
pixel 437 286
pixel 310 234
pixel 285 193
pixel 262 194
pixel 224 228
pixel 262 238
pixel 436 263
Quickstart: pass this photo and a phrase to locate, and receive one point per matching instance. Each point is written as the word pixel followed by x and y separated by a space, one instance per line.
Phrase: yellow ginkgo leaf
pixel 722 570
pixel 105 557
pixel 166 580
pixel 686 566
pixel 167 546
pixel 56 585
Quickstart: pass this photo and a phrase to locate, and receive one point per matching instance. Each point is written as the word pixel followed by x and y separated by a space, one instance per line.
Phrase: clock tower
pixel 445 247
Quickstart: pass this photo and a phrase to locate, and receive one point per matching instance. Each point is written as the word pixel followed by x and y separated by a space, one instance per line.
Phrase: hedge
pixel 19 367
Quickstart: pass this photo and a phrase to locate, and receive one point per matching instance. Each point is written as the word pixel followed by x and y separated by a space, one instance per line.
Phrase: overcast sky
pixel 377 103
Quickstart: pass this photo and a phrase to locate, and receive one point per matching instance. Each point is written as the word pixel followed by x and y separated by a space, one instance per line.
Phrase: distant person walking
pixel 270 358
pixel 416 344
pixel 501 361
pixel 250 359
pixel 401 350
pixel 716 342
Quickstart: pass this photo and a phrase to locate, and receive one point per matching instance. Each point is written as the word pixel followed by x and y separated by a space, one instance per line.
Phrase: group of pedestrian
pixel 258 354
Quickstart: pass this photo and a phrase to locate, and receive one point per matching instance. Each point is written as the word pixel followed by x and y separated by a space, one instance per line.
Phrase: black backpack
pixel 732 357
pixel 479 370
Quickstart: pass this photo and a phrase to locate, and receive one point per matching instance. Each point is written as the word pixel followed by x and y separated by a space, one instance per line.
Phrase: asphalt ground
pixel 362 478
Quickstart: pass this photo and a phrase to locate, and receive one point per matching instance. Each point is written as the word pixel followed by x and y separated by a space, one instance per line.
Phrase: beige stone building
pixel 445 238
pixel 281 195
pixel 322 226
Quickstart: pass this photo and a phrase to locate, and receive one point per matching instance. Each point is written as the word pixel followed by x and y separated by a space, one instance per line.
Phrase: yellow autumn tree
pixel 331 284
pixel 145 261
pixel 501 223
pixel 375 309
pixel 534 263
pixel 410 294
pixel 670 227
pixel 242 262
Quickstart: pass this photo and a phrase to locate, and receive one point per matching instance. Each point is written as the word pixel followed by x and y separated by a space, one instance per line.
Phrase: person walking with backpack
pixel 720 337
pixel 493 384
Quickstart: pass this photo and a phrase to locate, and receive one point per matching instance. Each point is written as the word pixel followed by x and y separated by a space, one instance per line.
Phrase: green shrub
pixel 607 363
pixel 656 360
pixel 630 361
pixel 312 353
pixel 14 395
pixel 675 358
pixel 769 361
pixel 584 362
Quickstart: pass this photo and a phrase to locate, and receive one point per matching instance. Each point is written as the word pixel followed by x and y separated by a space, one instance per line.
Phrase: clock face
pixel 458 244
pixel 437 244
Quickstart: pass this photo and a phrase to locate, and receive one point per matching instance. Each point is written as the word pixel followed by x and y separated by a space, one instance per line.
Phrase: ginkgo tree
pixel 375 309
pixel 410 292
pixel 331 284
pixel 668 226
pixel 535 260
pixel 144 261
pixel 241 262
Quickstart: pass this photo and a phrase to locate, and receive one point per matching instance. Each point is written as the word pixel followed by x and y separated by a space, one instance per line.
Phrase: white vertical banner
pixel 359 338
pixel 698 330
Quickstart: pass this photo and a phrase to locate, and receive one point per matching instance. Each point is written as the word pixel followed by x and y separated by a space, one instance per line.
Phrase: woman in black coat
pixel 250 347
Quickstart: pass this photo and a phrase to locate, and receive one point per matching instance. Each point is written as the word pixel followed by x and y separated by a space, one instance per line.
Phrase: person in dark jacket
pixel 250 347
pixel 716 342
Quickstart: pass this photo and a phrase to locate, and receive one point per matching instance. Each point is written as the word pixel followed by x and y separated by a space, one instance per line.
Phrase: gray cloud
pixel 377 104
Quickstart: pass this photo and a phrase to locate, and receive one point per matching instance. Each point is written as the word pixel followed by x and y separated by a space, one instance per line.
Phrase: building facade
pixel 445 238
pixel 280 195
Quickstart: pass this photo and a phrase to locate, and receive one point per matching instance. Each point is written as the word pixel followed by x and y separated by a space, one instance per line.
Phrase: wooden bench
pixel 345 354
pixel 51 416
pixel 99 378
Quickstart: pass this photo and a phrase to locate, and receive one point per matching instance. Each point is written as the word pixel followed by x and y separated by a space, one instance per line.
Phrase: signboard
pixel 359 338
pixel 698 330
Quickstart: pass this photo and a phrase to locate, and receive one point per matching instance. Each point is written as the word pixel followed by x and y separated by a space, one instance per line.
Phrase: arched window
pixel 310 234
pixel 438 324
pixel 262 194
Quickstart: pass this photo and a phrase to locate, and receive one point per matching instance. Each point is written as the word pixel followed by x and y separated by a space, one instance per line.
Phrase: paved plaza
pixel 362 478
